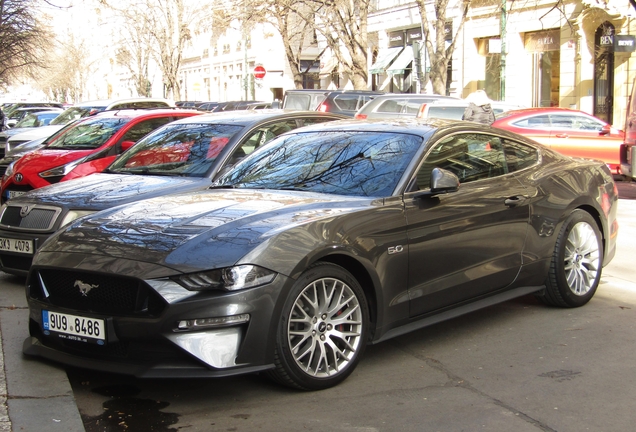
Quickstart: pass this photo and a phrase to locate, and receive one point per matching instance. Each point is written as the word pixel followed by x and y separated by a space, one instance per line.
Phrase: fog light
pixel 203 323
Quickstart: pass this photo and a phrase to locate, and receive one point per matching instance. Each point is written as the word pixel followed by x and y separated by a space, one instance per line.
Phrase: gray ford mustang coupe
pixel 328 238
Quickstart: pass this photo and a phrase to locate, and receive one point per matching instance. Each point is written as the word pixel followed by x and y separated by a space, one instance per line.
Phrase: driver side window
pixel 469 156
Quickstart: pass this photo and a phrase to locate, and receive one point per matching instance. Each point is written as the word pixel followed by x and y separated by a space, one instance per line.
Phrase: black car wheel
pixel 575 270
pixel 322 331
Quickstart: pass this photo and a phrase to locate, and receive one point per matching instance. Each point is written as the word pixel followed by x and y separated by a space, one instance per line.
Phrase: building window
pixel 238 46
pixel 490 48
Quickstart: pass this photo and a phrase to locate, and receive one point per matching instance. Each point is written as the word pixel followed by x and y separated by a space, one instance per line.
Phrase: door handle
pixel 562 135
pixel 515 201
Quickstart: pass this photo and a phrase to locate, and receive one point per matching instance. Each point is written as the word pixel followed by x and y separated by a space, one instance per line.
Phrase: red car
pixel 570 132
pixel 84 148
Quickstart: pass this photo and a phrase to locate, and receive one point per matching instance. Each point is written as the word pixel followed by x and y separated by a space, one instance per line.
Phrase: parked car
pixel 304 99
pixel 9 111
pixel 86 147
pixel 570 132
pixel 346 102
pixel 18 114
pixel 84 109
pixel 454 110
pixel 31 120
pixel 627 152
pixel 330 237
pixel 182 156
pixel 397 105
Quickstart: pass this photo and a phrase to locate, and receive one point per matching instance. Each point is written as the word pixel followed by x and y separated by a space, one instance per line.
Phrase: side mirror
pixel 606 130
pixel 125 145
pixel 443 181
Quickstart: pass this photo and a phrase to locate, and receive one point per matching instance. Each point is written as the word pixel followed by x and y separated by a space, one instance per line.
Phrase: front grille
pixel 39 218
pixel 98 293
pixel 3 169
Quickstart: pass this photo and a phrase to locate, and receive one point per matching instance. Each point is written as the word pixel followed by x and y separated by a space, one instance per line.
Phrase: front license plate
pixel 16 245
pixel 13 194
pixel 73 327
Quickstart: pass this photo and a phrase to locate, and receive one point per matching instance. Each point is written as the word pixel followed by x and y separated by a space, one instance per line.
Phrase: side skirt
pixel 454 312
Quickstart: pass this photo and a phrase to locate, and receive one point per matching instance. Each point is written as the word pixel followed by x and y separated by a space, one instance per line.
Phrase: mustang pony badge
pixel 84 287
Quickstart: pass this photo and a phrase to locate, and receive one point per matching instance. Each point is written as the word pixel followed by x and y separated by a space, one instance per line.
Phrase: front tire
pixel 575 270
pixel 323 329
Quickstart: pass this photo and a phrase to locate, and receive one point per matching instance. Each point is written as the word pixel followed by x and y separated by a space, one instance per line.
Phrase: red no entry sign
pixel 259 72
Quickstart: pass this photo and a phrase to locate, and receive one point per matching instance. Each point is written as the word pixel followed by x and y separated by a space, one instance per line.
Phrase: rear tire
pixel 323 329
pixel 575 270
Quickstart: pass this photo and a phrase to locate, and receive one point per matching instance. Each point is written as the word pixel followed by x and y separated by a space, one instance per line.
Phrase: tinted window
pixel 346 102
pixel 519 156
pixel 469 156
pixel 143 128
pixel 334 162
pixel 535 122
pixel 574 121
pixel 177 149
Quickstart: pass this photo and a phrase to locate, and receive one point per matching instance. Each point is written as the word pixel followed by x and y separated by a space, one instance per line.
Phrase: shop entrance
pixel 546 71
pixel 604 72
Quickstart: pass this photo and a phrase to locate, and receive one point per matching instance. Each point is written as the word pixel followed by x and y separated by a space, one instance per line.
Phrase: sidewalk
pixel 34 395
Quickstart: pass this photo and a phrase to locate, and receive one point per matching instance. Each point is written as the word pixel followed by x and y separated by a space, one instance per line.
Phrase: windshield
pixel 71 114
pixel 368 164
pixel 88 134
pixel 178 149
pixel 30 120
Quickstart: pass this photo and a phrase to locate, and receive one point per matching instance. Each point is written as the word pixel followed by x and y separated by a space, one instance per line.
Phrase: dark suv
pixel 346 102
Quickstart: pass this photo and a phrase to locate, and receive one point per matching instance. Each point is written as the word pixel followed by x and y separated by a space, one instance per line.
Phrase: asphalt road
pixel 518 366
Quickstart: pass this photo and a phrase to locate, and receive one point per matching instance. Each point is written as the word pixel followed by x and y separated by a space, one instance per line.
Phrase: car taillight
pixel 360 116
pixel 323 108
pixel 420 113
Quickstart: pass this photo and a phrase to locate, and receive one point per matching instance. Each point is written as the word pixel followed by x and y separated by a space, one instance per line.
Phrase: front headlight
pixel 9 171
pixel 74 214
pixel 228 279
pixel 61 171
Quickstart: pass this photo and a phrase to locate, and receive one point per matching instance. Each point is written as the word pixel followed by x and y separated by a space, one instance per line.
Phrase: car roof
pixel 113 102
pixel 149 112
pixel 414 96
pixel 248 117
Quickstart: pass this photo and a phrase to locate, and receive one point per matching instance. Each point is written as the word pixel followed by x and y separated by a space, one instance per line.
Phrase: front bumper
pixel 19 263
pixel 147 343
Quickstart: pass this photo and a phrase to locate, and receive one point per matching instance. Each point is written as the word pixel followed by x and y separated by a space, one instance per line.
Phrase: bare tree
pixel 134 54
pixel 68 71
pixel 293 20
pixel 22 40
pixel 168 26
pixel 435 35
pixel 343 24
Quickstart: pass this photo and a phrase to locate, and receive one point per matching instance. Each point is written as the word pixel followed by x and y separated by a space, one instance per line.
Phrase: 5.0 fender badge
pixel 395 249
pixel 84 287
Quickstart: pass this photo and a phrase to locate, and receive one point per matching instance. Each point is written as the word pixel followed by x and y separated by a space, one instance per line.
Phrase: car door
pixel 466 243
pixel 578 135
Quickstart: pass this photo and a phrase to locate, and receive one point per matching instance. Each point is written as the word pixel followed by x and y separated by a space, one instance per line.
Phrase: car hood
pixel 35 133
pixel 102 191
pixel 45 158
pixel 198 231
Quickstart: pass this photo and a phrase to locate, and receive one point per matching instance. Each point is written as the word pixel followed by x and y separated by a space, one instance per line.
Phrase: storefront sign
pixel 413 35
pixel 549 40
pixel 396 38
pixel 624 43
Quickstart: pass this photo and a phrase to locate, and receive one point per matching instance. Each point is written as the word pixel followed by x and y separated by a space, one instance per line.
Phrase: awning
pixel 401 63
pixel 385 57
